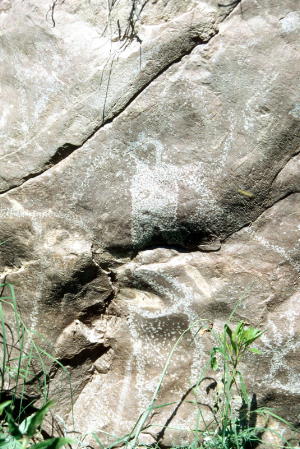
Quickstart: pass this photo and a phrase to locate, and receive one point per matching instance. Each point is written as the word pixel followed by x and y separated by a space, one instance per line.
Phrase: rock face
pixel 150 177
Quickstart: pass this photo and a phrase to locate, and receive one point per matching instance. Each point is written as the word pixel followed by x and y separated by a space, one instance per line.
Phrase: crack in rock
pixel 194 37
pixel 250 223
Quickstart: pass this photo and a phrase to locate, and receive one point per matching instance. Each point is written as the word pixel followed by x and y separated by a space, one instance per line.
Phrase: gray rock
pixel 123 167
pixel 58 88
pixel 164 292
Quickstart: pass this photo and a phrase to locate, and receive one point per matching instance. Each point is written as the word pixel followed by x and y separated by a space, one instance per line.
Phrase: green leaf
pixel 52 443
pixel 3 406
pixel 163 405
pixel 213 359
pixel 30 425
pixel 238 332
pixel 231 336
pixel 9 442
pixel 251 334
pixel 13 428
pixel 255 350
pixel 99 442
pixel 213 362
pixel 121 440
pixel 269 412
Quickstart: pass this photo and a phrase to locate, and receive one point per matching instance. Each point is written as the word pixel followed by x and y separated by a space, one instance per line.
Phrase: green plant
pixel 21 358
pixel 24 379
pixel 26 434
pixel 234 411
pixel 233 429
pixel 25 365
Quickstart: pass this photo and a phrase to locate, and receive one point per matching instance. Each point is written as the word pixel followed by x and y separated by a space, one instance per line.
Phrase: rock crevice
pixel 195 36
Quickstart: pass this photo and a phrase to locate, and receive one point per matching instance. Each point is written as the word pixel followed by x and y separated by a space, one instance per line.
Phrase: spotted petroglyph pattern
pixel 148 186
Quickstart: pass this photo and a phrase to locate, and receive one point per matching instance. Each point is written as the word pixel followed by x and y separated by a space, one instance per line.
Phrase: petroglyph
pixel 155 190
pixel 39 217
pixel 282 328
pixel 174 145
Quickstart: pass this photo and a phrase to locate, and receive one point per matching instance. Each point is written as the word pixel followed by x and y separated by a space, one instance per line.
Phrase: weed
pixel 24 379
pixel 232 426
pixel 26 434
pixel 234 411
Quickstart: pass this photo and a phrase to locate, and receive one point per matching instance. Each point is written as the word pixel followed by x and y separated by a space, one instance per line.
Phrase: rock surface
pixel 150 177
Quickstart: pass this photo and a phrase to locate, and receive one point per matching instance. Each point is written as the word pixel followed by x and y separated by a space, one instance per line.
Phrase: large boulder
pixel 150 178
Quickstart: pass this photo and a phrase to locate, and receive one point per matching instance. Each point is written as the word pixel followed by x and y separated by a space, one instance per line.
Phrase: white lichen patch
pixel 62 243
pixel 291 22
pixel 295 112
